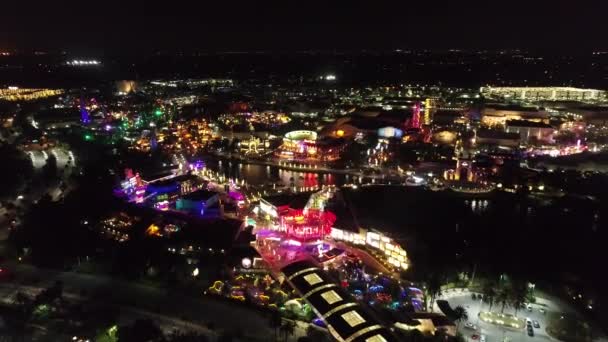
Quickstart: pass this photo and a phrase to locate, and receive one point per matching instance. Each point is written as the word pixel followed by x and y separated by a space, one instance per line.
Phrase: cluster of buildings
pixel 14 94
pixel 305 145
pixel 304 223
pixel 184 190
pixel 536 94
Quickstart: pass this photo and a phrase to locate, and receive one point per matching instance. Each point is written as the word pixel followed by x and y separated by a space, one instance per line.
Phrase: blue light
pixel 376 288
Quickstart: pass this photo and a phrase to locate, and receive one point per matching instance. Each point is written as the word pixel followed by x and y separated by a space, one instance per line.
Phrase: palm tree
pixel 503 297
pixel 288 328
pixel 489 293
pixel 460 314
pixel 275 322
pixel 433 288
pixel 518 292
pixel 317 335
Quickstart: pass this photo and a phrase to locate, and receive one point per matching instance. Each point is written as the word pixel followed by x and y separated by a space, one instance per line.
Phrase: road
pixel 127 314
pixel 146 300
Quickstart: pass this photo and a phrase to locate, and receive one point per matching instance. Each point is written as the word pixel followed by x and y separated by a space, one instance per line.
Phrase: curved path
pixel 186 311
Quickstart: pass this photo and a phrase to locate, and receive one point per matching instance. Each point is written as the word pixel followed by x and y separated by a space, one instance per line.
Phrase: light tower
pixel 416 116
pixel 84 113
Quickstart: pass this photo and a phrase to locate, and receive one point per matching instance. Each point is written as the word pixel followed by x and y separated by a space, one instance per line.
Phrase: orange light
pixel 340 133
pixel 153 230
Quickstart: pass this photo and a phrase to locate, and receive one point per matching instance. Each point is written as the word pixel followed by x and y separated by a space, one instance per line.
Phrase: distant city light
pixel 330 77
pixel 78 62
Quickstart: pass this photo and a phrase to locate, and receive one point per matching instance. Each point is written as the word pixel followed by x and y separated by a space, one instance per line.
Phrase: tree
pixel 503 297
pixel 187 337
pixel 433 288
pixel 519 293
pixel 316 335
pixel 460 314
pixel 354 154
pixel 16 169
pixel 489 293
pixel 142 330
pixel 54 233
pixel 22 299
pixel 288 328
pixel 50 294
pixel 275 322
pixel 49 170
pixel 226 336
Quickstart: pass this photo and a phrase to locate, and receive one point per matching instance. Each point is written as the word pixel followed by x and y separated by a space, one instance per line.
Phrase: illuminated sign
pixel 268 209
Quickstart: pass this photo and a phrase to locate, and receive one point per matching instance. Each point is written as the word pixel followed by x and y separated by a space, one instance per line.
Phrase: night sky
pixel 99 27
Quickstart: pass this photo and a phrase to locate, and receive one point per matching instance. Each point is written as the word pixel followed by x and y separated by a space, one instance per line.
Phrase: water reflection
pixel 256 174
pixel 478 206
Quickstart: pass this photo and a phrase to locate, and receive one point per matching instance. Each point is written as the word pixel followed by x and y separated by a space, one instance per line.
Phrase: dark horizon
pixel 549 26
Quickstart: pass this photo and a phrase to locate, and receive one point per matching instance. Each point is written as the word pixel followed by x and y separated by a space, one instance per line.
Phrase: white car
pixel 470 325
pixel 482 338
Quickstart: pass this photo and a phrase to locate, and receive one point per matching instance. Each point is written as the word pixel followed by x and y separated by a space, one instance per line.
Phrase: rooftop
pixel 294 201
pixel 496 134
pixel 346 319
pixel 171 181
pixel 199 195
pixel 502 106
pixel 526 123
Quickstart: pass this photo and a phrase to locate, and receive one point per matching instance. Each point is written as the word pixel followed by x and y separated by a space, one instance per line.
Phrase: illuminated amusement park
pixel 289 231
pixel 307 209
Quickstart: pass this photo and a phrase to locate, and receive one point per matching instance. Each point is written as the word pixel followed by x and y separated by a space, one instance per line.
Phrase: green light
pixel 158 112
pixel 88 137
pixel 113 330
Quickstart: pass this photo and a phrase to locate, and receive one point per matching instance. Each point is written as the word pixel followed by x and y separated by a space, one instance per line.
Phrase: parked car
pixel 482 338
pixel 470 325
pixel 5 274
pixel 541 310
pixel 536 324
pixel 530 331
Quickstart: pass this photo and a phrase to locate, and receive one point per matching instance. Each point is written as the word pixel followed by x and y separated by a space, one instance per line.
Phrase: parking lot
pixel 493 332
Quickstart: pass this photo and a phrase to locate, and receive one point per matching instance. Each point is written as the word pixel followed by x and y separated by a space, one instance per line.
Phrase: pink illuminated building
pixel 304 225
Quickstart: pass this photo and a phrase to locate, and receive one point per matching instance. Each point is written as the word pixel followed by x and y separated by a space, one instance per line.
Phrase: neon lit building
pixel 415 123
pixel 303 145
pixel 304 225
pixel 133 187
pixel 394 254
pixel 27 94
pixel 84 113
pixel 312 224
pixel 545 93
pixel 300 218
